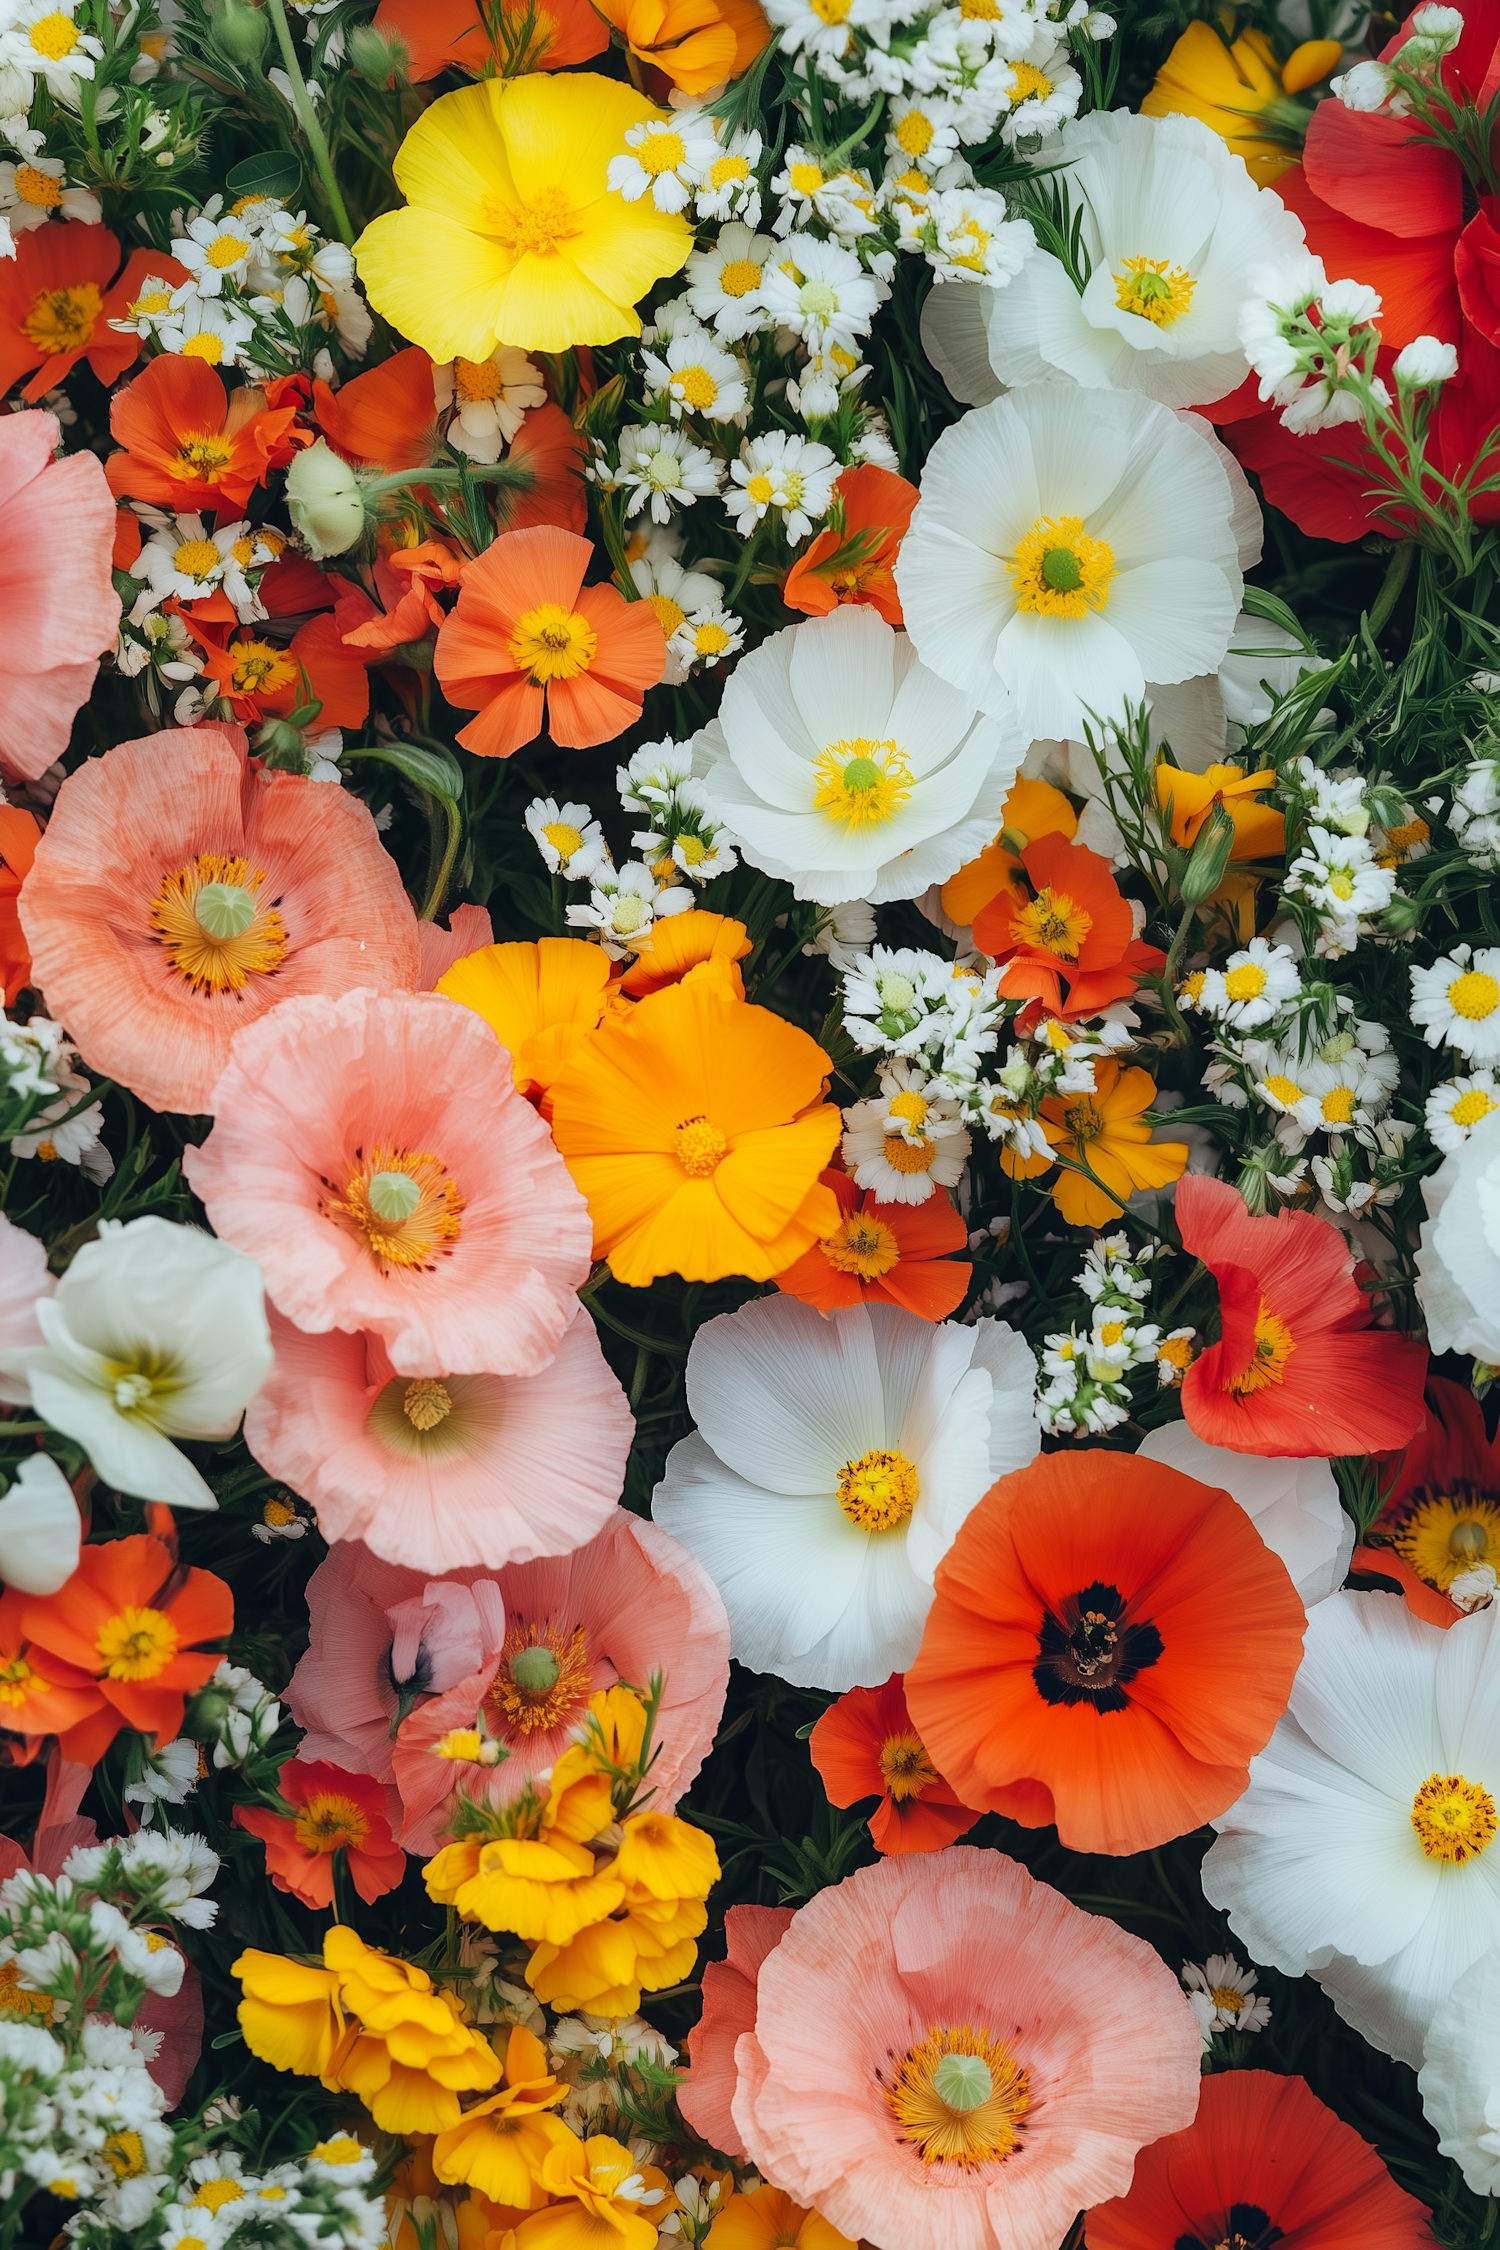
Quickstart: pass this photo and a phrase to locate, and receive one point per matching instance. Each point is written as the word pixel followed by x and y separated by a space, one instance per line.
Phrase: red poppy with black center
pixel 1442 1515
pixel 1074 932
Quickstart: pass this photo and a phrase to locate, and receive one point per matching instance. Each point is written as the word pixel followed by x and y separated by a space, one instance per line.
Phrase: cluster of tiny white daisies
pixel 44 1112
pixel 1089 1391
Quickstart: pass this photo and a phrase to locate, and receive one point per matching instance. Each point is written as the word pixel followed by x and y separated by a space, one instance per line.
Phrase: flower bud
pixel 1402 916
pixel 1367 86
pixel 378 56
pixel 240 33
pixel 324 500
pixel 1425 363
pixel 1210 857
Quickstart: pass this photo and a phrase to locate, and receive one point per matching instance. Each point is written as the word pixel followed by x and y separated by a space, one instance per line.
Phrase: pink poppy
pixel 373 1154
pixel 949 2055
pixel 729 1994
pixel 441 1474
pixel 469 928
pixel 180 893
pixel 61 611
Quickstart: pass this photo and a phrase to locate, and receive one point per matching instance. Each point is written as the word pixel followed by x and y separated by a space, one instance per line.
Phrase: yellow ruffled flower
pixel 511 233
pixel 500 2145
pixel 1240 93
pixel 291 2014
pixel 651 1945
pixel 605 2198
pixel 541 1891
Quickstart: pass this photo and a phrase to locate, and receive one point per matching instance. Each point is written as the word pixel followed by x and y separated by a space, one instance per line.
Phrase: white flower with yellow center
pixel 1341 877
pixel 1222 1995
pixel 969 235
pixel 849 770
pixel 1043 90
pixel 1456 1107
pixel 790 474
pixel 707 638
pixel 492 397
pixel 821 292
pixel 822 29
pixel 623 904
pixel 1457 1002
pixel 1251 986
pixel 215 251
pixel 665 158
pixel 908 1141
pixel 729 188
pixel 725 280
pixel 200 327
pixel 922 130
pixel 31 192
pixel 844 200
pixel 1069 546
pixel 1460 2075
pixel 833 1462
pixel 1458 1263
pixel 568 837
pixel 698 376
pixel 44 38
pixel 184 558
pixel 660 465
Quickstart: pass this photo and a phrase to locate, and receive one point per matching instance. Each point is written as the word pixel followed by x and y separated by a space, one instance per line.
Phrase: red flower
pixel 58 295
pixel 190 444
pixel 437 34
pixel 19 836
pixel 262 679
pixel 40 1695
pixel 867 1746
pixel 1298 1369
pixel 884 1253
pixel 857 563
pixel 1443 1512
pixel 331 1811
pixel 1075 927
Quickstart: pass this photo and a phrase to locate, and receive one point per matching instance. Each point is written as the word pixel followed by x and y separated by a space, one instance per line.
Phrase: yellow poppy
pixel 606 2198
pixel 698 44
pixel 1240 93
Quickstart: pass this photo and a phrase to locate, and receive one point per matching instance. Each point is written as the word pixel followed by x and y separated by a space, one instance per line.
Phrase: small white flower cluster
pixel 183 557
pixel 160 653
pixel 701 633
pixel 1089 1391
pixel 682 837
pixel 237 1713
pixel 598 2059
pixel 36 1062
pixel 86 2123
pixel 319 2198
pixel 1475 815
pixel 907 1140
pixel 1222 1995
pixel 1433 32
pixel 1309 339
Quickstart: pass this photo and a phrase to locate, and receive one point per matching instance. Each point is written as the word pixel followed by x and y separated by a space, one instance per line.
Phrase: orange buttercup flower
pixel 530 644
pixel 41 1695
pixel 541 1001
pixel 58 295
pixel 1032 810
pixel 679 942
pixel 267 679
pixel 697 44
pixel 696 1129
pixel 1071 928
pixel 448 34
pixel 190 444
pixel 331 1811
pixel 855 561
pixel 1073 1667
pixel 129 1620
pixel 867 1746
pixel 19 832
pixel 1259 830
pixel 884 1253
pixel 1106 1131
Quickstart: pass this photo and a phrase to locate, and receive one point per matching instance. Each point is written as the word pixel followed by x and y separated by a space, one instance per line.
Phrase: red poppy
pixel 189 443
pixel 1298 1370
pixel 884 1253
pixel 1443 1512
pixel 128 1620
pixel 385 418
pixel 263 679
pixel 751 1933
pixel 854 559
pixel 866 1746
pixel 331 1811
pixel 1073 928
pixel 1109 1645
pixel 40 1695
pixel 1263 2162
pixel 19 835
pixel 58 295
pixel 448 34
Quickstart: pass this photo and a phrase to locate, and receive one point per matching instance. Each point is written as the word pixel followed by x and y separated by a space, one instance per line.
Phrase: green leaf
pixel 436 771
pixel 274 173
pixel 1258 603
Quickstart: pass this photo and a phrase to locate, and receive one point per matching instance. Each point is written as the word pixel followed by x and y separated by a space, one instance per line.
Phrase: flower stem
pixel 434 901
pixel 307 119
pixel 1397 571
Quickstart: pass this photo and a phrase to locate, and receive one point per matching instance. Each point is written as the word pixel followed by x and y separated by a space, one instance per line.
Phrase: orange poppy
pixel 1110 1644
pixel 128 1620
pixel 1105 1130
pixel 452 34
pixel 58 295
pixel 1259 830
pixel 1072 928
pixel 1032 810
pixel 261 679
pixel 697 44
pixel 406 578
pixel 19 836
pixel 39 1695
pixel 854 558
pixel 529 644
pixel 329 1811
pixel 884 1253
pixel 385 418
pixel 1442 1515
pixel 867 1746
pixel 191 445
pixel 554 454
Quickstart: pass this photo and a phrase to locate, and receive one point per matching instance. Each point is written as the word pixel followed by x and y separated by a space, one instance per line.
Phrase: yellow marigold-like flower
pixel 500 2145
pixel 291 2014
pixel 511 232
pixel 650 1946
pixel 1239 93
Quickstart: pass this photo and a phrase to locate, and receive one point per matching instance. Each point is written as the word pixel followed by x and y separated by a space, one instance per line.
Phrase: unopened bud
pixel 241 33
pixel 1402 916
pixel 325 501
pixel 1210 857
pixel 378 56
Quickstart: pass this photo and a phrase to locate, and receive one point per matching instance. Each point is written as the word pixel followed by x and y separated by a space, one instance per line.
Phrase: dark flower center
pixel 1089 1649
pixel 1244 2227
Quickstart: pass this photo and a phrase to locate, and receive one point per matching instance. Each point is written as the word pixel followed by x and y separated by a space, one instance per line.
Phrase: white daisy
pixel 823 29
pixel 568 837
pixel 1456 1107
pixel 623 904
pixel 908 1141
pixel 1361 1851
pixel 492 397
pixel 1252 985
pixel 969 235
pixel 1294 1504
pixel 1043 89
pixel 184 558
pixel 1457 1002
pixel 665 158
pixel 675 594
pixel 785 472
pixel 146 314
pixel 42 37
pixel 1340 876
pixel 200 327
pixel 729 188
pixel 215 251
pixel 1070 545
pixel 706 639
pixel 1222 1995
pixel 724 280
pixel 1460 2075
pixel 833 1462
pixel 659 464
pixel 821 292
pixel 698 376
pixel 1458 1262
pixel 844 201
pixel 31 192
pixel 922 130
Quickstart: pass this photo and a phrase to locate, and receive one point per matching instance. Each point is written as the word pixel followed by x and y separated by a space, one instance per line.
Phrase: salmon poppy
pixel 39 1694
pixel 884 1253
pixel 750 1934
pixel 867 1746
pixel 58 295
pixel 1442 1514
pixel 1298 1369
pixel 696 44
pixel 264 679
pixel 189 444
pixel 1032 810
pixel 58 604
pixel 1074 929
pixel 452 34
pixel 1263 2162
pixel 328 1811
pixel 854 558
pixel 129 1620
pixel 1259 830
pixel 19 832
pixel 529 644
pixel 1109 1646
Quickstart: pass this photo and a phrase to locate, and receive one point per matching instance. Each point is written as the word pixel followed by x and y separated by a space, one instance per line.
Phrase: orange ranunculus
pixel 1259 830
pixel 697 44
pixel 262 679
pixel 1073 926
pixel 1032 810
pixel 19 833
pixel 450 34
pixel 856 562
pixel 1104 1130
pixel 865 1745
pixel 58 295
pixel 331 1811
pixel 884 1253
pixel 189 444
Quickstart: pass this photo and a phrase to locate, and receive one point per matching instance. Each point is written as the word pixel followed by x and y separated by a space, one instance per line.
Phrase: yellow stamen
pixel 414 1229
pixel 212 964
pixel 1154 289
pixel 878 1491
pixel 1028 85
pixel 136 1644
pixel 1472 1106
pixel 862 1245
pixel 39 189
pixel 1247 982
pixel 1274 1346
pixel 862 782
pixel 905 1766
pixel 1444 1535
pixel 941 2102
pixel 551 643
pixel 1054 923
pixel 1454 1818
pixel 1474 996
pixel 700 1147
pixel 738 277
pixel 1058 570
pixel 477 379
pixel 534 1709
pixel 426 1403
pixel 537 229
pixel 330 1823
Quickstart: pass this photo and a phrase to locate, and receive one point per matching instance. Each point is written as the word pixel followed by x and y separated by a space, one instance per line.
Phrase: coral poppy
pixel 884 1253
pixel 330 1811
pixel 1106 1131
pixel 1264 2161
pixel 696 44
pixel 19 834
pixel 729 1988
pixel 867 1746
pixel 696 1129
pixel 59 293
pixel 41 1695
pixel 946 2054
pixel 223 891
pixel 853 559
pixel 442 35
pixel 1033 809
pixel 1074 929
pixel 541 1000
pixel 1442 1514
pixel 407 579
pixel 57 598
pixel 1073 1667
pixel 1259 830
pixel 444 1472
pixel 189 444
pixel 265 679
pixel 415 1195
pixel 128 1620
pixel 528 638
pixel 1298 1369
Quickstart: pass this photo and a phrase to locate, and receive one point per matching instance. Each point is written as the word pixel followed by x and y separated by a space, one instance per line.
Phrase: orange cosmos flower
pixel 529 644
pixel 128 1620
pixel 1259 830
pixel 867 1746
pixel 696 1129
pixel 1110 1644
pixel 1072 927
pixel 444 34
pixel 1105 1130
pixel 58 295
pixel 1032 810
pixel 884 1253
pixel 697 44
pixel 19 832
pixel 331 1811
pixel 40 1695
pixel 190 444
pixel 855 560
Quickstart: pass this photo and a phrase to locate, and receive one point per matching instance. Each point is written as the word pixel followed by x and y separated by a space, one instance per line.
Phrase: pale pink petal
pixel 729 1988
pixel 469 929
pixel 59 611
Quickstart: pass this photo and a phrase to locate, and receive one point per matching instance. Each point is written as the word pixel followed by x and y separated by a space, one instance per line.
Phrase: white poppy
pixel 156 1332
pixel 1071 545
pixel 1460 2075
pixel 833 1463
pixel 847 768
pixel 39 1528
pixel 1458 1263
pixel 1293 1504
pixel 23 1279
pixel 1363 1850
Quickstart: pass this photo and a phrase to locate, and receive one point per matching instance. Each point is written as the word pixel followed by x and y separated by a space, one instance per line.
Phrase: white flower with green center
pixel 659 464
pixel 822 293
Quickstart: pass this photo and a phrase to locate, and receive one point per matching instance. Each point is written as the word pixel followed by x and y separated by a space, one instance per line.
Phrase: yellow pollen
pixel 831 11
pixel 1054 923
pixel 1247 982
pixel 1154 289
pixel 477 379
pixel 627 914
pixel 805 179
pixel 700 1147
pixel 910 1106
pixel 1472 1106
pixel 863 1246
pixel 1058 570
pixel 1083 1122
pixel 1191 987
pixel 1285 1090
pixel 225 250
pixel 908 1157
pixel 914 134
pixel 344 2150
pixel 16 2003
pixel 1474 996
pixel 698 388
pixel 1176 1351
pixel 63 320
pixel 426 1230
pixel 1028 85
pixel 1338 1105
pixel 17 1681
pixel 668 613
pixel 54 36
pixel 217 964
pixel 862 782
pixel 905 1766
pixel 940 2101
pixel 125 2153
pixel 538 229
pixel 1110 1333
pixel 278 1514
pixel 739 277
pixel 1401 840
pixel 693 849
pixel 205 346
pixel 552 643
pixel 564 838
pixel 1341 885
pixel 39 189
pixel 201 459
pixel 197 558
pixel 761 490
pixel 519 1709
pixel 260 669
pixel 329 1823
pixel 1274 1346
pixel 157 302
pixel 710 640
pixel 659 152
pixel 727 168
pixel 878 1491
pixel 1228 1997
pixel 1454 1818
pixel 426 1402
pixel 214 2194
pixel 1446 1534
pixel 135 1644
pixel 460 1744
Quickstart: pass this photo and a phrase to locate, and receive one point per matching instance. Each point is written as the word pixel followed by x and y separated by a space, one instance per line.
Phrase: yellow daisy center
pixel 668 613
pixel 1454 1818
pixel 135 1644
pixel 905 1766
pixel 700 1147
pixel 402 1204
pixel 806 179
pixel 696 386
pixel 863 1246
pixel 1154 289
pixel 1472 1106
pixel 710 640
pixel 739 276
pixel 39 189
pixel 1474 996
pixel 960 2097
pixel 564 838
pixel 477 379
pixel 125 2153
pixel 1059 571
pixel 225 250
pixel 659 152
pixel 726 168
pixel 214 2194
pixel 1274 1346
pixel 63 320
pixel 1227 1997
pixel 217 931
pixel 1053 922
pixel 1338 1105
pixel 1176 1351
pixel 1285 1090
pixel 1247 982
pixel 915 133
pixel 538 229
pixel 862 782
pixel 1446 1534
pixel 205 346
pixel 197 559
pixel 1028 84
pixel 552 643
pixel 330 1823
pixel 1402 840
pixel 16 2003
pixel 54 36
pixel 878 1491
pixel 278 1514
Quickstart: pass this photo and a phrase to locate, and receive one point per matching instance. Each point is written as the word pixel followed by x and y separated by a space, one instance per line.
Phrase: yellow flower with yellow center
pixel 960 2096
pixel 1449 1533
pixel 1059 571
pixel 1454 1818
pixel 1154 289
pixel 862 782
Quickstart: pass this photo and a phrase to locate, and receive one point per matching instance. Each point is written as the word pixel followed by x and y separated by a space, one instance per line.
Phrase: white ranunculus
pixel 809 1430
pixel 39 1528
pixel 1460 2075
pixel 1458 1264
pixel 1293 1504
pixel 156 1332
